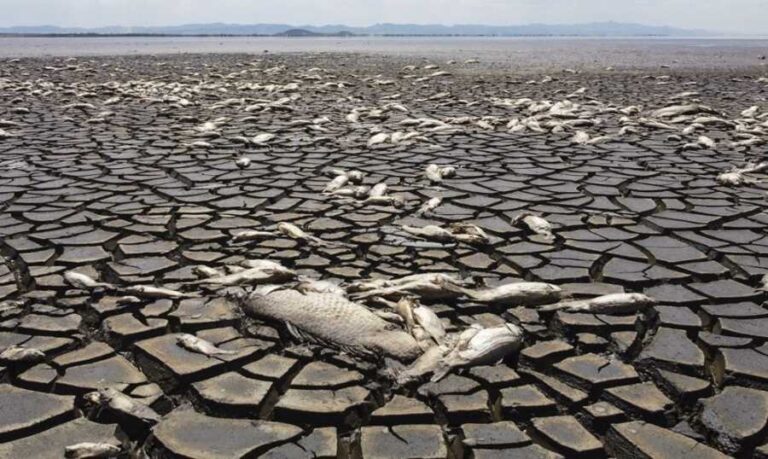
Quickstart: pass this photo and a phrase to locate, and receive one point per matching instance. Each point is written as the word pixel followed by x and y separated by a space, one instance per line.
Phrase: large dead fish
pixel 333 320
pixel 514 294
pixel 614 303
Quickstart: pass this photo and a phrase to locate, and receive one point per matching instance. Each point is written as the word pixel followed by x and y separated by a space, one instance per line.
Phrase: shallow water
pixel 515 52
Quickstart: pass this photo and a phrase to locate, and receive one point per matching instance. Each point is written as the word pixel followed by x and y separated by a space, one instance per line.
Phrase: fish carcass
pixel 333 320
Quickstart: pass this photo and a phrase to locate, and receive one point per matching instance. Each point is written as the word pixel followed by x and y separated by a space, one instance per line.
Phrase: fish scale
pixel 334 319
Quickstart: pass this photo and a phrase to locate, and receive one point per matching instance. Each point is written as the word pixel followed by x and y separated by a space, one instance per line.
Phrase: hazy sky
pixel 747 16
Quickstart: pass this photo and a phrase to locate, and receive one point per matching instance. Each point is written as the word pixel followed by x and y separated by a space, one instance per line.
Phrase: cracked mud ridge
pixel 208 257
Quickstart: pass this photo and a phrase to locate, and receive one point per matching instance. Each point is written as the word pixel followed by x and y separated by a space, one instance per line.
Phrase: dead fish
pixel 128 299
pixel 426 364
pixel 262 139
pixel 706 142
pixel 122 404
pixel 614 303
pixel 88 450
pixel 430 205
pixel 21 354
pixel 243 162
pixel 535 224
pixel 251 276
pixel 378 190
pixel 485 347
pixel 436 174
pixel 387 200
pixel 294 232
pixel 764 282
pixel 374 284
pixel 433 232
pixel 468 233
pixel 252 235
pixel 429 321
pixel 200 346
pixel 428 287
pixel 82 281
pixel 677 110
pixel 319 286
pixel 205 271
pixel 333 320
pixel 514 294
pixel 580 138
pixel 148 291
pixel 750 112
pixel 378 139
pixel 732 178
pixel 358 192
pixel 338 182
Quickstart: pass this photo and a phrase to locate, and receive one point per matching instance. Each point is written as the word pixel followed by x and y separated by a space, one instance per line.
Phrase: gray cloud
pixel 744 16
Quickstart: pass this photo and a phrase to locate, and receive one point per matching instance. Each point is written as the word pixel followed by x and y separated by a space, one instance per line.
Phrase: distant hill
pixel 597 29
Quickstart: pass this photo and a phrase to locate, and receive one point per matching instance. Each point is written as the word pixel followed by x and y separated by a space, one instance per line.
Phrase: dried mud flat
pixel 103 171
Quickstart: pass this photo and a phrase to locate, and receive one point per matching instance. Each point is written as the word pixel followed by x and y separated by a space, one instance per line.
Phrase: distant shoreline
pixel 157 35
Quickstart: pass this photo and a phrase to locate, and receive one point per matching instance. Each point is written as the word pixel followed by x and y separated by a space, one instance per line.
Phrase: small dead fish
pixel 432 324
pixel 294 232
pixel 251 276
pixel 387 200
pixel 430 205
pixel 468 233
pixel 433 232
pixel 378 190
pixel 435 174
pixel 87 450
pixel 378 139
pixel 200 346
pixel 262 139
pixel 21 354
pixel 129 299
pixel 252 235
pixel 614 303
pixel 580 138
pixel 426 364
pixel 485 347
pixel 243 162
pixel 358 192
pixel 514 294
pixel 535 224
pixel 148 291
pixel 82 281
pixel 205 271
pixel 122 404
pixel 705 142
pixel 338 182
pixel 319 286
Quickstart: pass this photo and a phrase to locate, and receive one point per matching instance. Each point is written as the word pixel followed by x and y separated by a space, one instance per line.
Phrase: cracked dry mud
pixel 126 198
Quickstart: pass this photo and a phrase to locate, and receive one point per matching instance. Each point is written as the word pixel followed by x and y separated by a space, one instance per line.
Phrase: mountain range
pixel 597 29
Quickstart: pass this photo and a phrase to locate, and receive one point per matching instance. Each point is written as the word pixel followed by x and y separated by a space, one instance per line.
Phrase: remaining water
pixel 514 52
